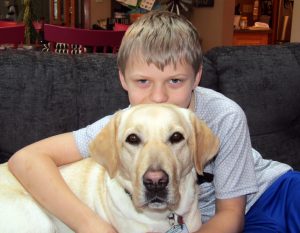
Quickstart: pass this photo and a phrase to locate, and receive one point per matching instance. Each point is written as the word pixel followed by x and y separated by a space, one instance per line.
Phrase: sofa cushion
pixel 209 75
pixel 43 94
pixel 265 82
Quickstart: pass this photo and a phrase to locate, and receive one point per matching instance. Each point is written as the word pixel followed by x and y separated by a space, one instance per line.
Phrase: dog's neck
pixel 173 218
pixel 155 221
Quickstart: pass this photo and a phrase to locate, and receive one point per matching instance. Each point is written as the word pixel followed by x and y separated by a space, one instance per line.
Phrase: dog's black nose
pixel 155 180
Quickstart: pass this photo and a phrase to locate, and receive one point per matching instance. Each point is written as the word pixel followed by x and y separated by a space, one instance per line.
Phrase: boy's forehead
pixel 140 60
pixel 135 60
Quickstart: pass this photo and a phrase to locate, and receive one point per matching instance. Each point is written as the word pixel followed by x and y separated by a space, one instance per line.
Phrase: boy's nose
pixel 159 95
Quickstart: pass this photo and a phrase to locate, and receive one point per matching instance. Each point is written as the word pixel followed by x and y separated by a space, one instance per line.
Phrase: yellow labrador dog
pixel 146 180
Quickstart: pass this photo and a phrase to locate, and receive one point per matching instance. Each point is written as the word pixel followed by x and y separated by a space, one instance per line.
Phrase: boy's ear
pixel 122 80
pixel 198 78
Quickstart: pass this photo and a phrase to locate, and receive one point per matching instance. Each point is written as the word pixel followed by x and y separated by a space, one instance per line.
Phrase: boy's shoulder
pixel 219 112
pixel 208 100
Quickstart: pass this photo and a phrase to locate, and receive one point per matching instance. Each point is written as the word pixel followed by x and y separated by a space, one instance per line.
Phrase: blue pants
pixel 278 209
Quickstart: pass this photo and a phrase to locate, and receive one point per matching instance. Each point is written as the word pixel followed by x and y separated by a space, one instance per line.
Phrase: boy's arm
pixel 36 167
pixel 229 217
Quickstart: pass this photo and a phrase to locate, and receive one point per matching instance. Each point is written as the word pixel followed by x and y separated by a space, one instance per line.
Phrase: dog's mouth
pixel 157 203
pixel 157 200
pixel 156 188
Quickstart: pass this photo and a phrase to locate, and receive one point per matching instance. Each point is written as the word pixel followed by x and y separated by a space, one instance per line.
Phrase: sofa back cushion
pixel 43 94
pixel 265 82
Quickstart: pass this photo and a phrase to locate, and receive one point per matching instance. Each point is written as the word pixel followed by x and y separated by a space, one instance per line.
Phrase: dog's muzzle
pixel 156 188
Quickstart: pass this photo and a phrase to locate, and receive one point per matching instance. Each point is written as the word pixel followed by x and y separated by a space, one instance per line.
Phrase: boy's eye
pixel 142 81
pixel 175 81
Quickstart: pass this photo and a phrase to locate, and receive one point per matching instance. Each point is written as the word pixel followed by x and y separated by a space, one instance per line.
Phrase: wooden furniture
pixel 70 13
pixel 62 12
pixel 12 33
pixel 280 13
pixel 108 41
pixel 251 37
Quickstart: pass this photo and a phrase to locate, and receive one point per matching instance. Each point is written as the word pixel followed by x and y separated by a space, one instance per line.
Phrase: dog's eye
pixel 133 139
pixel 176 137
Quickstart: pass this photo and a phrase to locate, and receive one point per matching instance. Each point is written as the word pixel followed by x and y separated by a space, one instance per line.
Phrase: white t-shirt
pixel 238 169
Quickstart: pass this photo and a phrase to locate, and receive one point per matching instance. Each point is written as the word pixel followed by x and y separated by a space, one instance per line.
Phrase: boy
pixel 160 61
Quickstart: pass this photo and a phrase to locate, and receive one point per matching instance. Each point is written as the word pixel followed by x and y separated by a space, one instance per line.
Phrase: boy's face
pixel 147 84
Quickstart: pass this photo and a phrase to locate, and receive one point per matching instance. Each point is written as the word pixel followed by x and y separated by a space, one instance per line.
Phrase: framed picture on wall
pixel 203 3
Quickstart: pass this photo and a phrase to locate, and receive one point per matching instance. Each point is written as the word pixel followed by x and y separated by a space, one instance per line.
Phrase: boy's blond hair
pixel 161 38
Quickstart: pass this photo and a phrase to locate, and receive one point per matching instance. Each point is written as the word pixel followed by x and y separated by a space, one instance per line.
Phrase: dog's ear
pixel 206 144
pixel 104 148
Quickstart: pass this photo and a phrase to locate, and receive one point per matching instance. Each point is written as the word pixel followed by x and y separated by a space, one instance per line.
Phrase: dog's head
pixel 151 148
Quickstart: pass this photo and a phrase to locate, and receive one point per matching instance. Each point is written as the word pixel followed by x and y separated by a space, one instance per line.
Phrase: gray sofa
pixel 43 94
